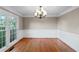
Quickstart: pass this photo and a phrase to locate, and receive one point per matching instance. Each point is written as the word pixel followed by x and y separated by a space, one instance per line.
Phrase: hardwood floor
pixel 41 45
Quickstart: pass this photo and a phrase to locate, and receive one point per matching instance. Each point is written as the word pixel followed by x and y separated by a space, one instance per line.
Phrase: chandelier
pixel 40 12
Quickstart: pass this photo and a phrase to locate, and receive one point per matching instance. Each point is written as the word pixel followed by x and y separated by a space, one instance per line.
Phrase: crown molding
pixel 46 16
pixel 69 10
pixel 7 8
pixel 19 14
pixel 61 14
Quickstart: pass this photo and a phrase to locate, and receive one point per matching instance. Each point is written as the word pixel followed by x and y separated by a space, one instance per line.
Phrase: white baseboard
pixel 70 39
pixel 40 33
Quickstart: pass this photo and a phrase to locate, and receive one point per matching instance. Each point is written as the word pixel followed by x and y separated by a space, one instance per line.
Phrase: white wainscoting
pixel 40 33
pixel 20 34
pixel 71 39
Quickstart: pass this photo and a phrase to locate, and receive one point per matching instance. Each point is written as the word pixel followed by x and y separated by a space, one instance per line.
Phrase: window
pixel 8 25
pixel 12 29
pixel 2 31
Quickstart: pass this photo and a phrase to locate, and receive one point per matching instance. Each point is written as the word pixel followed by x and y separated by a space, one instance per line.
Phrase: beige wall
pixel 35 23
pixel 20 23
pixel 68 32
pixel 69 22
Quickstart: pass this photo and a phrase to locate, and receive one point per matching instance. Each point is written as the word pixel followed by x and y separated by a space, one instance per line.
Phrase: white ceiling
pixel 52 11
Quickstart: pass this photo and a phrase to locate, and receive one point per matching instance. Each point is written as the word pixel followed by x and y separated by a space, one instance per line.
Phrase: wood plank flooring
pixel 41 45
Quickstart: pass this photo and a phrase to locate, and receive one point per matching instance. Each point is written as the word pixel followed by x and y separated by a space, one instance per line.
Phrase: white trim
pixel 69 10
pixel 46 16
pixel 11 10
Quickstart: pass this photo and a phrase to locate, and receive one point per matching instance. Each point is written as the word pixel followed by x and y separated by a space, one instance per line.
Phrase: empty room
pixel 39 28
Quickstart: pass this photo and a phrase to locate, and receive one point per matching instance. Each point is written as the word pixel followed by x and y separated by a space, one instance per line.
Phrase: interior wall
pixel 36 23
pixel 20 28
pixel 42 28
pixel 21 23
pixel 68 29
